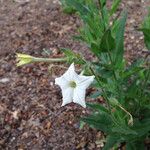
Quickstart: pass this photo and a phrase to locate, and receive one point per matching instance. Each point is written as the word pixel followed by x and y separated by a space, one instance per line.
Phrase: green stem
pixel 144 85
pixel 105 95
pixel 115 77
pixel 102 14
pixel 111 60
pixel 114 74
pixel 99 4
pixel 147 77
pixel 51 60
pixel 130 122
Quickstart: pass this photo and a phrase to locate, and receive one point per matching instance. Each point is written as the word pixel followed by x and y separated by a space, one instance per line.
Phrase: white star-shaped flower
pixel 73 86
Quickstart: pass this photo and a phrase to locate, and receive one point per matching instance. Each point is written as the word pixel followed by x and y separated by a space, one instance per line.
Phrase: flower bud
pixel 23 59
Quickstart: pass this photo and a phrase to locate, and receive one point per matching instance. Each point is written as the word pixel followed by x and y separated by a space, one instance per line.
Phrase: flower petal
pixel 70 74
pixel 79 96
pixel 67 96
pixel 84 81
pixel 62 82
pixel 75 94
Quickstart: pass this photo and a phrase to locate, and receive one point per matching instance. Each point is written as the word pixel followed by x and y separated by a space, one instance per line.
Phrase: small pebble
pixel 4 80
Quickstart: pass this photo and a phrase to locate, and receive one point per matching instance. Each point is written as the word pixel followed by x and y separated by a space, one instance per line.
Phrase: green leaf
pixel 106 73
pixel 146 30
pixel 146 33
pixel 139 145
pixel 134 68
pixel 101 121
pixel 132 90
pixel 102 2
pixel 146 22
pixel 114 7
pixel 98 107
pixel 95 48
pixel 119 50
pixel 105 16
pixel 115 27
pixel 82 124
pixel 95 95
pixel 79 6
pixel 111 141
pixel 123 130
pixel 142 127
pixel 72 56
pixel 107 42
pixel 78 37
pixel 130 146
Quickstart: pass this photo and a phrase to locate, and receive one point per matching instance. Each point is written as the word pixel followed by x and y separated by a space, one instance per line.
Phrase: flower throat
pixel 72 84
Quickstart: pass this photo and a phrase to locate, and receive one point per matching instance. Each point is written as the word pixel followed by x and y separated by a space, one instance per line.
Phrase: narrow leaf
pixel 114 7
pixel 146 33
pixel 111 141
pixel 107 42
pixel 119 51
pixel 98 107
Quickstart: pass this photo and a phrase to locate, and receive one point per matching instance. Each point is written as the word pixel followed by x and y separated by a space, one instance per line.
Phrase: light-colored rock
pixel 4 80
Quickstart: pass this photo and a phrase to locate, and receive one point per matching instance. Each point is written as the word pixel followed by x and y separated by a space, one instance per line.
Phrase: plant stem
pixel 115 77
pixel 99 4
pixel 130 122
pixel 144 84
pixel 105 95
pixel 112 64
pixel 51 60
pixel 102 14
pixel 147 77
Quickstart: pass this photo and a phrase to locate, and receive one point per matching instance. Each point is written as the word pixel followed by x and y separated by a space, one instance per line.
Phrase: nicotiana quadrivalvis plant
pixel 125 89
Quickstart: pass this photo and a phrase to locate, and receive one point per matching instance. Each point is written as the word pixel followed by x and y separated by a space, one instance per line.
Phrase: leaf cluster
pixel 125 88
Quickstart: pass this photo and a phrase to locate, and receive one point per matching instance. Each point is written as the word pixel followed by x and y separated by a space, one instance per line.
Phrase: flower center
pixel 72 84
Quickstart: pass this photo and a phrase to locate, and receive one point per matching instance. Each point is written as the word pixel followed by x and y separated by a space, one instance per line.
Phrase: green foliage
pixel 146 33
pixel 73 57
pixel 146 30
pixel 107 42
pixel 119 51
pixel 114 7
pixel 66 8
pixel 125 118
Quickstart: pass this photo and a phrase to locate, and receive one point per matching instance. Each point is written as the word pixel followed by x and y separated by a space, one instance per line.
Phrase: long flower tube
pixel 23 59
